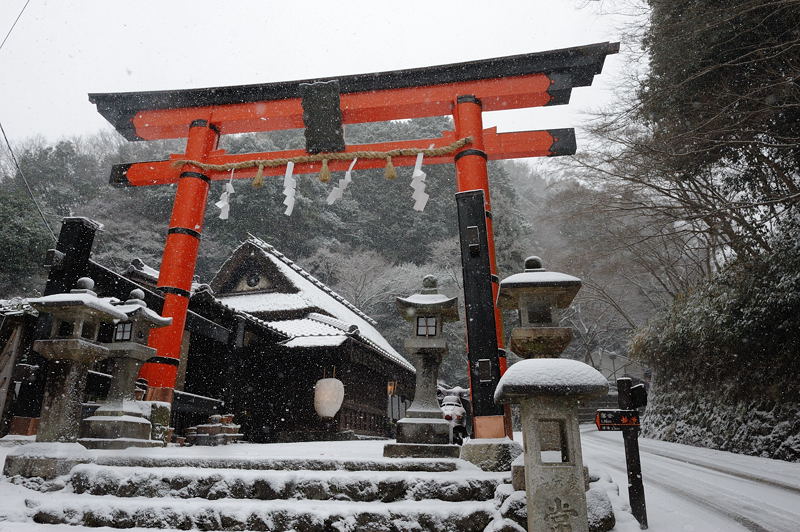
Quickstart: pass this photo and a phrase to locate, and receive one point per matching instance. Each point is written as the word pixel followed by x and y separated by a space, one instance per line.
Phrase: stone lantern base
pixel 423 430
pixel 491 454
pixel 117 426
pixel 420 450
pixel 422 437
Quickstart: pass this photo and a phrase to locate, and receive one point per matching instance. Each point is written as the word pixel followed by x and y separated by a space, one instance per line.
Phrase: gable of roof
pixel 249 271
pixel 326 317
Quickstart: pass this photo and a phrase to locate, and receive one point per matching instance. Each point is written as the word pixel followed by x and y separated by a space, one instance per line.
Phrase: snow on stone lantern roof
pixel 537 281
pixel 428 301
pixel 136 309
pixel 550 377
pixel 82 299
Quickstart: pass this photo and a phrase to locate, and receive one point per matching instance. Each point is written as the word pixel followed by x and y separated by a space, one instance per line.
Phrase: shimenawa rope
pixel 390 172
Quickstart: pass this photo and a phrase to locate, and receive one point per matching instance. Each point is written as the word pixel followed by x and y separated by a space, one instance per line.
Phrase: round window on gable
pixel 253 279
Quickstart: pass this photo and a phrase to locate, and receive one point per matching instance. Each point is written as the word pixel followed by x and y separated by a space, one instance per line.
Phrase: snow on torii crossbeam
pixel 321 107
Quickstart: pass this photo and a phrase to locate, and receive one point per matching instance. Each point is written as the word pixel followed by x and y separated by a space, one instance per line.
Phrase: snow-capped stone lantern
pixel 539 296
pixel 423 432
pixel 119 422
pixel 548 391
pixel 71 348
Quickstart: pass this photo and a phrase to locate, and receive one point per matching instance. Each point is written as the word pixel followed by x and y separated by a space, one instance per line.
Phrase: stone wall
pixel 761 422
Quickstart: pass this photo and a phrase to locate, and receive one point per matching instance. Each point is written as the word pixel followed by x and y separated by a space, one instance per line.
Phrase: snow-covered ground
pixel 687 489
pixel 701 490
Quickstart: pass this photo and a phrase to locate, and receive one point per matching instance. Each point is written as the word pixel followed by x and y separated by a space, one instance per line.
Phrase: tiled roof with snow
pixel 305 327
pixel 343 315
pixel 16 306
pixel 316 341
pixel 265 302
pixel 137 270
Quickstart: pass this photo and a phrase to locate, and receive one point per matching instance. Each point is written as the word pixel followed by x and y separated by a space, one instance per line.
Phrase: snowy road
pixel 701 490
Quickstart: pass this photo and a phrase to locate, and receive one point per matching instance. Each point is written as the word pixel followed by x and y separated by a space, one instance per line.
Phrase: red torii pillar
pixel 464 90
pixel 179 260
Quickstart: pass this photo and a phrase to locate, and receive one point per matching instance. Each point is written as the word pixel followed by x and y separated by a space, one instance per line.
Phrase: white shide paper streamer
pixel 418 184
pixel 338 190
pixel 289 188
pixel 224 204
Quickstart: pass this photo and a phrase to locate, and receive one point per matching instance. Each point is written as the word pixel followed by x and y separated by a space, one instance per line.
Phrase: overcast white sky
pixel 63 49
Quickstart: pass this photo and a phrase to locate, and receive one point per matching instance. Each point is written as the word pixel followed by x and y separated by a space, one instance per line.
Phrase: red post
pixel 179 261
pixel 472 174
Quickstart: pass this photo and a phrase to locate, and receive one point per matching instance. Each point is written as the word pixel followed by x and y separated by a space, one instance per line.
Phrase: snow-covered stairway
pixel 211 490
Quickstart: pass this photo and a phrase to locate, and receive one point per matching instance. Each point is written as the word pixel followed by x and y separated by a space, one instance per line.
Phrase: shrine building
pixel 257 339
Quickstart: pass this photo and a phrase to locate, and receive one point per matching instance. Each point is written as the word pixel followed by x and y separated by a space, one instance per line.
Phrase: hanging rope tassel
pixel 389 172
pixel 324 172
pixel 258 180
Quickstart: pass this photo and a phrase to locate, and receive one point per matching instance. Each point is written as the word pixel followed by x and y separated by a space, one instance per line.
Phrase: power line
pixel 8 144
pixel 14 24
pixel 25 180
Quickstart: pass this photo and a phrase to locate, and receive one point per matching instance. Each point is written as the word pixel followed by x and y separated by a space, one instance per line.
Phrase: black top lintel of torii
pixel 567 67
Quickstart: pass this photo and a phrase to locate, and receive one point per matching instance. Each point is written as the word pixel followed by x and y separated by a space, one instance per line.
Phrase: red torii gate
pixel 321 106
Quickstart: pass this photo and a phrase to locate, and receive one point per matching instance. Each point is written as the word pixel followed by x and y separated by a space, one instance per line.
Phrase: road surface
pixel 691 489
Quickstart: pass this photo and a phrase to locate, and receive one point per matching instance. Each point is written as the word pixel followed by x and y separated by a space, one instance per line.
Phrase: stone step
pixel 361 486
pixel 283 464
pixel 278 515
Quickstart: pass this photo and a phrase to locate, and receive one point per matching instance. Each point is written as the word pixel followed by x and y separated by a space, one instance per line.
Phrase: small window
pixel 553 442
pixel 123 332
pixel 539 312
pixel 253 279
pixel 88 331
pixel 65 328
pixel 426 326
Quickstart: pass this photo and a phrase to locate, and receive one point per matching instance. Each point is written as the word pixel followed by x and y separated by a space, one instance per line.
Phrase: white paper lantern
pixel 328 397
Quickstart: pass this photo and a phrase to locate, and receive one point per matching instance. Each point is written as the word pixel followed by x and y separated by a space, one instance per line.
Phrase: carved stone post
pixel 548 391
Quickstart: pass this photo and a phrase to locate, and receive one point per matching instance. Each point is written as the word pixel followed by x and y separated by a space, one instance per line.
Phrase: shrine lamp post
pixel 424 432
pixel 71 349
pixel 120 423
pixel 539 296
pixel 548 392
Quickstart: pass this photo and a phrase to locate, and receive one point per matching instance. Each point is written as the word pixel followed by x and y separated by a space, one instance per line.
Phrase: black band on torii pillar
pixel 470 151
pixel 197 175
pixel 469 98
pixel 170 361
pixel 184 231
pixel 175 290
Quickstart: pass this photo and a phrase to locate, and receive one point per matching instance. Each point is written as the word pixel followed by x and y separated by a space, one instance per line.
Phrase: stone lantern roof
pixel 81 300
pixel 539 377
pixel 136 310
pixel 537 281
pixel 428 301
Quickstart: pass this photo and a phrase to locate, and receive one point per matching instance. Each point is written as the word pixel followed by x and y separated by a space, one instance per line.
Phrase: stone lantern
pixel 539 296
pixel 71 348
pixel 548 392
pixel 424 432
pixel 120 422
